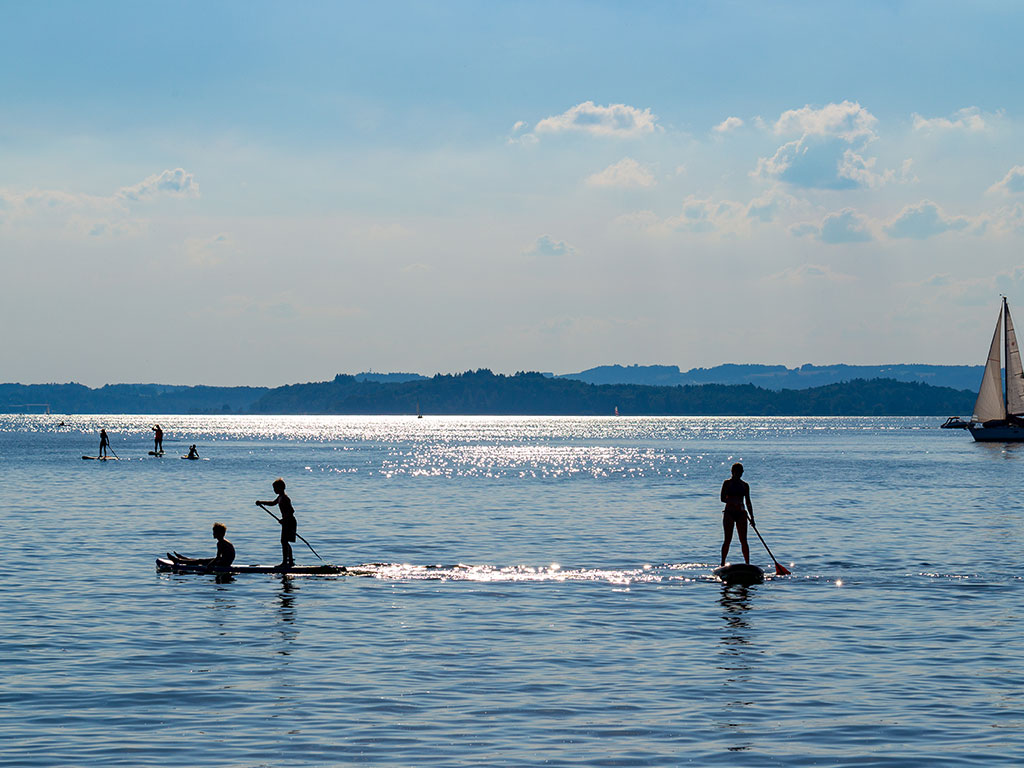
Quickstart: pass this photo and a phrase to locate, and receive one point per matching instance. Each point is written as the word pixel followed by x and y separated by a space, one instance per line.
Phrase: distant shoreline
pixel 484 393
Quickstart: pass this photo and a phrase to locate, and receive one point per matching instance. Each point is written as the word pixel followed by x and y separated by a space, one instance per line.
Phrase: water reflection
pixel 739 651
pixel 287 613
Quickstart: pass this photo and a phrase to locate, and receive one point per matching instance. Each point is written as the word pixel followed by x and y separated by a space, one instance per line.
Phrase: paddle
pixel 780 570
pixel 297 534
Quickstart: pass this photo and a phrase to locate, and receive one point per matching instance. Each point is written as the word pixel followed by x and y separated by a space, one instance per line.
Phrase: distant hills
pixel 778 377
pixel 485 393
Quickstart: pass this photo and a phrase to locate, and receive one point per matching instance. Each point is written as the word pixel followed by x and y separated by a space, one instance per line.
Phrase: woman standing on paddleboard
pixel 735 493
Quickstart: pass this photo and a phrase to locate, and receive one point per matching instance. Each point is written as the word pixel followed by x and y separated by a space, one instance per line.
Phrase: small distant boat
pixel 999 409
pixel 616 410
pixel 418 414
pixel 954 422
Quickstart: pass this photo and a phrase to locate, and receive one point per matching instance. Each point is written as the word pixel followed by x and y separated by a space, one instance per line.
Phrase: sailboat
pixel 999 409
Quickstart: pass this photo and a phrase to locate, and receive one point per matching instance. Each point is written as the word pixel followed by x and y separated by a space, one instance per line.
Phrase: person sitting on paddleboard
pixel 104 442
pixel 225 551
pixel 735 493
pixel 158 439
pixel 192 452
pixel 287 521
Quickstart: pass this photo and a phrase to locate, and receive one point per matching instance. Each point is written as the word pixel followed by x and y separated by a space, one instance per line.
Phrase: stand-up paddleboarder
pixel 736 493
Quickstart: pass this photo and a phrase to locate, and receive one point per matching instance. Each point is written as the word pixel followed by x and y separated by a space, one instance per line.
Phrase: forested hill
pixel 484 393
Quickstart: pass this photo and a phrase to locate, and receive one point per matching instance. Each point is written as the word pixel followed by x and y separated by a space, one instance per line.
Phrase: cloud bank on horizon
pixel 459 189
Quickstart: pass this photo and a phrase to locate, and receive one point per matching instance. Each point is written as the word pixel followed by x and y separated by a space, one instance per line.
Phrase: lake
pixel 539 594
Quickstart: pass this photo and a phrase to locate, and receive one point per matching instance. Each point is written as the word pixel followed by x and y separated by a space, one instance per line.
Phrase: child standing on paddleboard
pixel 287 521
pixel 734 493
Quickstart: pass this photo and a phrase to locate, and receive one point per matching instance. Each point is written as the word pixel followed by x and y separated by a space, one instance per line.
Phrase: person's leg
pixel 727 526
pixel 741 531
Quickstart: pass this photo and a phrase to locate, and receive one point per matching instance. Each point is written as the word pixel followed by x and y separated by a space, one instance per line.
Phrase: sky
pixel 263 193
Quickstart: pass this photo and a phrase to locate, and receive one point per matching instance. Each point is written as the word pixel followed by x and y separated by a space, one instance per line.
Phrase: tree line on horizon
pixel 483 392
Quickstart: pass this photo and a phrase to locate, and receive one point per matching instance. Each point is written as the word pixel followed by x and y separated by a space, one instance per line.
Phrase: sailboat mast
pixel 1006 363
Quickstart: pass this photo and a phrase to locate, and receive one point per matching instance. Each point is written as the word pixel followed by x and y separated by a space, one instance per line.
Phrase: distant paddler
pixel 104 444
pixel 158 439
pixel 736 493
pixel 225 552
pixel 193 453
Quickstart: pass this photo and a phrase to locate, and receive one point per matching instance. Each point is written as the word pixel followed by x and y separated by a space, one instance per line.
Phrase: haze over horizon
pixel 264 194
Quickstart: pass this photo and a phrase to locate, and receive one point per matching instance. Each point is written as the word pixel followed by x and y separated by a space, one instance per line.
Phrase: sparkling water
pixel 539 593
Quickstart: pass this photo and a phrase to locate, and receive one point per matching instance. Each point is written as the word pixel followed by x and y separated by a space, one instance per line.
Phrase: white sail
pixel 990 404
pixel 1014 371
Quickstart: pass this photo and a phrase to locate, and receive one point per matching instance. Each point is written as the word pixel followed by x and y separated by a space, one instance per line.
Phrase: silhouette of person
pixel 192 452
pixel 158 439
pixel 225 552
pixel 104 443
pixel 735 492
pixel 287 521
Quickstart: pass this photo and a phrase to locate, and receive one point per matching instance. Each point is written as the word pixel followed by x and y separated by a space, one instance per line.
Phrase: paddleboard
pixel 102 458
pixel 195 458
pixel 739 573
pixel 163 564
pixel 156 453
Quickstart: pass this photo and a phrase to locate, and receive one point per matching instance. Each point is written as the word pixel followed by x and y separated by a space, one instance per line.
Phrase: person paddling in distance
pixel 158 439
pixel 287 521
pixel 192 452
pixel 736 493
pixel 225 552
pixel 104 443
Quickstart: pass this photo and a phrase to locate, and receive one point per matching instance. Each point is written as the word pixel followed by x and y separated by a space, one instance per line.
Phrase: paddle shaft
pixel 297 534
pixel 780 569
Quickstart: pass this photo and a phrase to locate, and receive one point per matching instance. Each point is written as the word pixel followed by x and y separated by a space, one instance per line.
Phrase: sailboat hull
pixel 1002 434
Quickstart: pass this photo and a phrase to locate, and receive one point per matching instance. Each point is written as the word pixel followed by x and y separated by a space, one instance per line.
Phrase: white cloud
pixel 922 221
pixel 548 246
pixel 627 173
pixel 845 226
pixel 729 124
pixel 707 216
pixel 847 120
pixel 1012 183
pixel 969 119
pixel 620 120
pixel 829 152
pixel 176 183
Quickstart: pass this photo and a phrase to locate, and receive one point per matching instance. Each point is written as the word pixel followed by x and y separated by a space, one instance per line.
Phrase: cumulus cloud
pixel 618 120
pixel 922 221
pixel 548 246
pixel 829 152
pixel 94 215
pixel 847 120
pixel 845 226
pixel 627 173
pixel 174 183
pixel 707 215
pixel 968 119
pixel 729 124
pixel 1012 183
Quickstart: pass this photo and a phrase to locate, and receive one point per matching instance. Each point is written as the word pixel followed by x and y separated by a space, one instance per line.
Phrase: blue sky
pixel 263 193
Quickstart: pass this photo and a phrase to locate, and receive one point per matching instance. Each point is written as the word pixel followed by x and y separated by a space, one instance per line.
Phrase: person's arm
pixel 725 499
pixel 267 503
pixel 750 504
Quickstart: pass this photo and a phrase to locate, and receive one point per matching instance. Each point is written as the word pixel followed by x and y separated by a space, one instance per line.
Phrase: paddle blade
pixel 781 570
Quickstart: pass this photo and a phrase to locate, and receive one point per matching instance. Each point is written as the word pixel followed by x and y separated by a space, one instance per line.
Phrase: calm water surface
pixel 541 594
